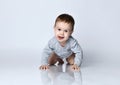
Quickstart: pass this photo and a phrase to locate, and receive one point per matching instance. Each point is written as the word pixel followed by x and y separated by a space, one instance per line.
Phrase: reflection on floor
pixel 56 76
pixel 21 68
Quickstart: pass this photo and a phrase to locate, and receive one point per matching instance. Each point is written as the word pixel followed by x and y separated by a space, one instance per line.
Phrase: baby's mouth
pixel 60 37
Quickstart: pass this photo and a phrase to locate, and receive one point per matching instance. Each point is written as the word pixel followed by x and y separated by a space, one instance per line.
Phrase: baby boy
pixel 62 45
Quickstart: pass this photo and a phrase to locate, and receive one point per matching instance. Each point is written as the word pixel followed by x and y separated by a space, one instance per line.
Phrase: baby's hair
pixel 66 18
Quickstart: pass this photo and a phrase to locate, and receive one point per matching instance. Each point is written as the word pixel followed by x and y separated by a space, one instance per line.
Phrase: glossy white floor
pixel 21 68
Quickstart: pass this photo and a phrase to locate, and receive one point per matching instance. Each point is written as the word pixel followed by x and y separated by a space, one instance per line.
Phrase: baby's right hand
pixel 44 67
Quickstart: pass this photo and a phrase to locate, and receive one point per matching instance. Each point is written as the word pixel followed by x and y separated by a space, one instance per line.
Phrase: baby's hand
pixel 44 67
pixel 75 67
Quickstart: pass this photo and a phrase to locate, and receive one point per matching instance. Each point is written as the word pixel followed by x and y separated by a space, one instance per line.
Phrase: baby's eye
pixel 66 30
pixel 59 29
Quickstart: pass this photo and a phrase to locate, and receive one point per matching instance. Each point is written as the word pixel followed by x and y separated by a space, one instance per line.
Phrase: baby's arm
pixel 44 58
pixel 76 48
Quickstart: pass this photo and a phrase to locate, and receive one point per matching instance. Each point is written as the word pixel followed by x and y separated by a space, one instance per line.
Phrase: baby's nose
pixel 61 32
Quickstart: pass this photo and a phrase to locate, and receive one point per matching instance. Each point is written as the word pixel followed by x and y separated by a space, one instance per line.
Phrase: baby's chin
pixel 62 41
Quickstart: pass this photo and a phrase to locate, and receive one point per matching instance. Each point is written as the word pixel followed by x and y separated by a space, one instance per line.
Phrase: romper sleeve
pixel 46 53
pixel 76 48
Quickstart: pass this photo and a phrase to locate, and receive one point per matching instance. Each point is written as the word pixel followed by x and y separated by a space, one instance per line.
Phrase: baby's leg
pixel 70 59
pixel 53 58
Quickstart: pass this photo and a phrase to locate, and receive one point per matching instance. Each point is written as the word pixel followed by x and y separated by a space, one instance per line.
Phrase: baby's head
pixel 63 28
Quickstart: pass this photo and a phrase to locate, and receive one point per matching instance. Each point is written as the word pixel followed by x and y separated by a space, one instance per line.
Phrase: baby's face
pixel 62 31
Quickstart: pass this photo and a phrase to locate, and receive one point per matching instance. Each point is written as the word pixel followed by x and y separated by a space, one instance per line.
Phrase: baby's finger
pixel 73 67
pixel 77 68
pixel 42 67
pixel 46 67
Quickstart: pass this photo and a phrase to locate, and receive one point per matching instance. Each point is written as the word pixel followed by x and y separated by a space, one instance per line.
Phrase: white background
pixel 27 25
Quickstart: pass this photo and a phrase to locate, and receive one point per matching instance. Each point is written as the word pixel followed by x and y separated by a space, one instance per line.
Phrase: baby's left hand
pixel 75 67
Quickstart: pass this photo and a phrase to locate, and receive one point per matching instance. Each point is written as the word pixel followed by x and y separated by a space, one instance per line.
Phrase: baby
pixel 62 45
